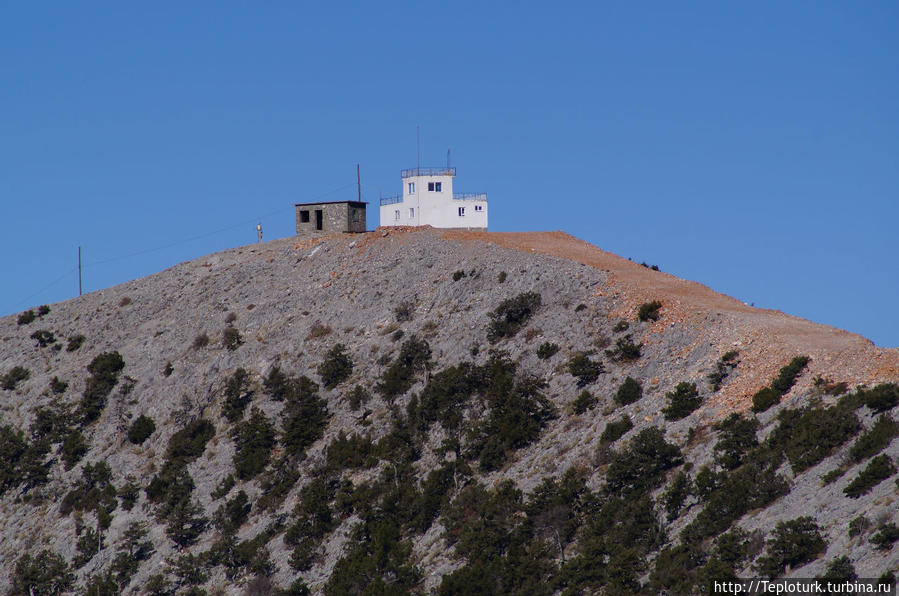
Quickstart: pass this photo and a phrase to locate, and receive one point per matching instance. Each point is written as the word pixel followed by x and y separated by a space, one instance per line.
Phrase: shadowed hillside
pixel 422 411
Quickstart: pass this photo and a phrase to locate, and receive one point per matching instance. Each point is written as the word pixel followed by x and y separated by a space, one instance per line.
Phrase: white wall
pixel 432 208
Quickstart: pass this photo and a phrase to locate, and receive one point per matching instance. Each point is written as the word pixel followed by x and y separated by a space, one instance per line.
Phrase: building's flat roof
pixel 353 203
pixel 411 172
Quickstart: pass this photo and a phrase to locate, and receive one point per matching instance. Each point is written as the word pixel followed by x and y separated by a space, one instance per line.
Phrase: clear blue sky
pixel 753 147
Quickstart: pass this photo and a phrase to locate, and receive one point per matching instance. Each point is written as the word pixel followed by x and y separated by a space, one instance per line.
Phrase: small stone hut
pixel 332 217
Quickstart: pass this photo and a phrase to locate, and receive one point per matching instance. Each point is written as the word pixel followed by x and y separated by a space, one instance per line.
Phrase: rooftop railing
pixel 470 196
pixel 391 200
pixel 427 172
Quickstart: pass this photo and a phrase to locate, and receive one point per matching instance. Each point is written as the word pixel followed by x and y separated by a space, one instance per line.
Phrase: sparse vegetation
pixel 547 350
pixel 878 469
pixel 141 429
pixel 231 338
pixel 512 314
pixel 414 358
pixel 200 341
pixel 886 535
pixel 404 311
pixel 238 395
pixel 880 398
pixel 875 440
pixel 628 392
pixel 682 401
pixel 501 277
pixel 616 429
pixel 457 275
pixel 253 442
pixel 780 386
pixel 795 543
pixel 625 350
pixel 26 318
pixel 104 370
pixel 725 365
pixel 16 375
pixel 45 574
pixel 43 338
pixel 584 369
pixel 75 342
pixel 584 401
pixel 649 311
pixel 336 367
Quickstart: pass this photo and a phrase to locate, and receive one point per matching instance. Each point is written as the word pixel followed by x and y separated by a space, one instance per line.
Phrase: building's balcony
pixel 391 200
pixel 427 172
pixel 470 196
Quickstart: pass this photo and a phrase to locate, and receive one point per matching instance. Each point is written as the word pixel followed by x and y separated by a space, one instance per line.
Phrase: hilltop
pixel 416 410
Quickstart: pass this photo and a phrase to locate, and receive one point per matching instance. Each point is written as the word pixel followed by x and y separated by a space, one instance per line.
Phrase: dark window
pixel 318 219
pixel 304 216
pixel 431 186
pixel 438 186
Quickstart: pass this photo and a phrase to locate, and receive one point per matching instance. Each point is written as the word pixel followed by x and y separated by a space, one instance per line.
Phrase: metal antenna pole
pixel 418 145
pixel 79 271
pixel 358 184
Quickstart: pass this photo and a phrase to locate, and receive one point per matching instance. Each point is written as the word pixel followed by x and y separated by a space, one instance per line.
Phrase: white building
pixel 428 200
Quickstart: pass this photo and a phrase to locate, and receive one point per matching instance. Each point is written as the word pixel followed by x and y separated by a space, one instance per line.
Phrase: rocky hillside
pixel 418 411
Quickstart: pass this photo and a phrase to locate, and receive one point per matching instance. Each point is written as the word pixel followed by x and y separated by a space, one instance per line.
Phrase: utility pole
pixel 418 145
pixel 358 185
pixel 79 271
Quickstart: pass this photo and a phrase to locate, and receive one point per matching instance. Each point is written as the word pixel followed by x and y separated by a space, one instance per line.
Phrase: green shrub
pixel 133 550
pixel 616 429
pixel 232 514
pixel 649 311
pixel 74 447
pixel 585 370
pixel 231 338
pixel 253 442
pixel 358 397
pixel 141 429
pixel 886 535
pixel 414 358
pixel 628 392
pixel 585 401
pixel 58 387
pixel 45 574
pixel 621 326
pixel 12 449
pixel 839 570
pixel 224 487
pixel 787 376
pixel 237 395
pixel 878 469
pixel 676 495
pixel 881 398
pixel 186 523
pixel 319 330
pixel 795 543
pixel 625 350
pixel 764 398
pixel 336 367
pixel 512 314
pixel 858 525
pixel 808 436
pixel 26 317
pixel 875 440
pixel 104 370
pixel 189 443
pixel 725 365
pixel 351 452
pixel 43 337
pixel 501 277
pixel 547 350
pixel 457 275
pixel 16 375
pixel 75 342
pixel 736 436
pixel 642 465
pixel 682 401
pixel 304 417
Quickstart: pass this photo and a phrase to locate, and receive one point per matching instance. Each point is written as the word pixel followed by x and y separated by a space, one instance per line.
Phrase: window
pixel 478 207
pixel 411 212
pixel 319 219
pixel 461 211
pixel 431 186
pixel 304 216
pixel 435 186
pixel 411 188
pixel 396 215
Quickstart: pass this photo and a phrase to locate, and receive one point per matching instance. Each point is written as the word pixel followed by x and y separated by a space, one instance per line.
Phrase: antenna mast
pixel 418 145
pixel 447 159
pixel 358 184
pixel 79 271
